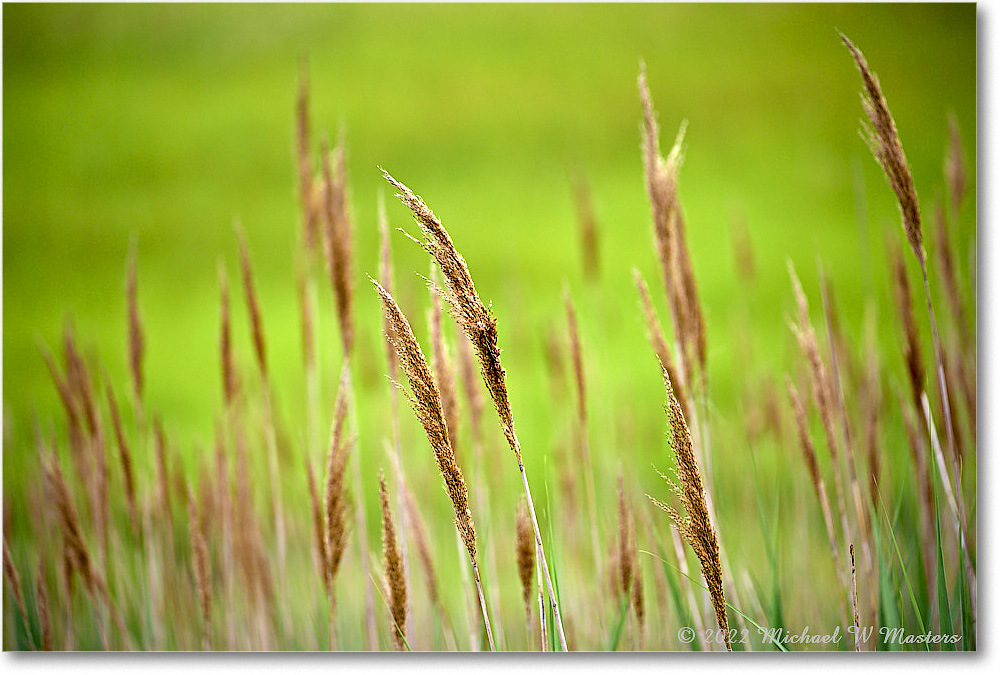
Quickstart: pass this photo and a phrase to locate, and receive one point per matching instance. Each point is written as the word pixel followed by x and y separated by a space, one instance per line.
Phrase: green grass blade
pixel 944 604
pixel 888 617
pixel 551 559
pixel 965 612
pixel 683 612
pixel 705 588
pixel 906 577
pixel 619 625
pixel 376 585
pixel 776 612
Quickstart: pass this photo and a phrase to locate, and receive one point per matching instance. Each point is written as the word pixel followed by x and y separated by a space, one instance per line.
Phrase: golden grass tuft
pixel 162 470
pixel 393 562
pixel 202 568
pixel 335 501
pixel 125 455
pixel 480 327
pixel 426 404
pixel 319 524
pixel 253 305
pixel 472 316
pixel 625 557
pixel 442 366
pixel 819 379
pixel 883 140
pixel 654 332
pixel 946 263
pixel 668 229
pixel 418 530
pixel 587 223
pixel 230 379
pixel 386 278
pixel 14 579
pixel 42 605
pixel 338 228
pixel 310 224
pixel 911 335
pixel 576 354
pixel 812 465
pixel 694 526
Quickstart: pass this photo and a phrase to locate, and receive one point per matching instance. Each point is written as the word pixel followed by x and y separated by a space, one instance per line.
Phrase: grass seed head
pixel 253 306
pixel 335 496
pixel 525 540
pixel 338 249
pixel 883 140
pixel 136 338
pixel 395 579
pixel 426 403
pixel 694 526
pixel 471 315
pixel 911 333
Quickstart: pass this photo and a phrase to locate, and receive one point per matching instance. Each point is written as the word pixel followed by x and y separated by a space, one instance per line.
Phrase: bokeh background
pixel 166 123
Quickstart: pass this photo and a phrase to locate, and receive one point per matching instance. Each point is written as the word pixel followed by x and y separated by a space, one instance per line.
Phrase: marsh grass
pixel 262 542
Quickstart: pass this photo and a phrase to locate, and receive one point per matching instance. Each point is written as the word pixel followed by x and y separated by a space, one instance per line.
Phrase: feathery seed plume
pixel 471 315
pixel 589 241
pixel 230 383
pixel 256 323
pixel 638 602
pixel 305 318
pixel 955 165
pixel 668 228
pixel 202 568
pixel 426 404
pixel 335 500
pixel 136 339
pixel 42 603
pixel 654 333
pixel 319 533
pixel 15 585
pixel 385 277
pixel 911 345
pixel 81 458
pixel 125 455
pixel 883 141
pixel 336 214
pixel 78 381
pixel 162 473
pixel 946 261
pixel 442 365
pixel 577 356
pixel 821 387
pixel 309 214
pixel 480 326
pixel 419 531
pixel 695 525
pixel 525 554
pixel 626 554
pixel 393 569
pixel 470 383
pixel 812 465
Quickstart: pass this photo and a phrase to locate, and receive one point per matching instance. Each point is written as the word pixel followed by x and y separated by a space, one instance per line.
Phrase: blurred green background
pixel 169 122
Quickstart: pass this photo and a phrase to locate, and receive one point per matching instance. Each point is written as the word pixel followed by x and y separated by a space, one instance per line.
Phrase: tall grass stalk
pixel 480 326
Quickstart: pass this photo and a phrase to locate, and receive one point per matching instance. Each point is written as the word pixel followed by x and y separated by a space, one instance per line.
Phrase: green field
pixel 164 124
